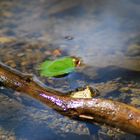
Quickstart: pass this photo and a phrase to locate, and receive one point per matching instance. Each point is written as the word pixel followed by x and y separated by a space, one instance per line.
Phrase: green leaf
pixel 57 67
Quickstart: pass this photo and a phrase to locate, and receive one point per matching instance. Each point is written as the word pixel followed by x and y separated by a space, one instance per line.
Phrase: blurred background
pixel 105 34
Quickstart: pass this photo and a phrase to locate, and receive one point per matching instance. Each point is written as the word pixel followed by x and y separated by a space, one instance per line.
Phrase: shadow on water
pixel 93 75
pixel 113 72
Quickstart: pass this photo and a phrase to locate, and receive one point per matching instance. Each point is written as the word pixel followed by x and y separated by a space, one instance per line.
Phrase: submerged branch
pixel 112 113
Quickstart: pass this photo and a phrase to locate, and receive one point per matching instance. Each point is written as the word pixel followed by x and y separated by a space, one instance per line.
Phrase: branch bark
pixel 112 113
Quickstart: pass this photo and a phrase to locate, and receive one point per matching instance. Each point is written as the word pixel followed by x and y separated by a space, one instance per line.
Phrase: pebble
pixel 11 138
pixel 68 37
pixel 20 54
pixel 125 89
pixel 24 63
pixel 56 52
pixel 47 53
pixel 13 65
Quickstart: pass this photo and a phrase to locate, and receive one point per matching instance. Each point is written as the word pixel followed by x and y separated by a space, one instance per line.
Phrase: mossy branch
pixel 109 112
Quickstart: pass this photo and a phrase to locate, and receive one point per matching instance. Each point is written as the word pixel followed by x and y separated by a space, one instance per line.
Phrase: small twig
pixel 112 113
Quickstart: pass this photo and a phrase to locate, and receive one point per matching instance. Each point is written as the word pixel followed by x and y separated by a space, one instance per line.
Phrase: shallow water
pixel 104 34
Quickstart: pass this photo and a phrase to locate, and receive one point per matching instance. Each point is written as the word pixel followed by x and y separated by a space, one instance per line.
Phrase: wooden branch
pixel 109 112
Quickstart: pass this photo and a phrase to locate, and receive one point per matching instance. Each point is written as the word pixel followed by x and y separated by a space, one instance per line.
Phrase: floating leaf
pixel 58 67
pixel 88 92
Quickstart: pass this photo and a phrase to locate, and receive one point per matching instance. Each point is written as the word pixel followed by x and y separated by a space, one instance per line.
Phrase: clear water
pixel 103 33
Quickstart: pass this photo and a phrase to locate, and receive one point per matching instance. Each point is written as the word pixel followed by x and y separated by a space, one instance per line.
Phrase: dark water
pixel 105 34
